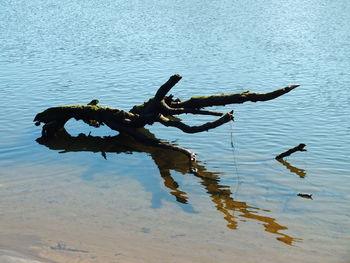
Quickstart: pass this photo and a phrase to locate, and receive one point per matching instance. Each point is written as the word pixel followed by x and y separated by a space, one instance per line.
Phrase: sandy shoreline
pixel 8 256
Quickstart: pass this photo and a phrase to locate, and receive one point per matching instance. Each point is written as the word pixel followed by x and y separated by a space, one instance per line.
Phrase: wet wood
pixel 307 196
pixel 161 108
pixel 300 148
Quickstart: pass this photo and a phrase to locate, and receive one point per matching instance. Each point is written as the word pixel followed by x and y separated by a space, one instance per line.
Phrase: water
pixel 141 203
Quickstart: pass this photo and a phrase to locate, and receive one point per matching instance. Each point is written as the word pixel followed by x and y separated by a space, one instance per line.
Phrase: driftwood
pixel 307 196
pixel 300 148
pixel 162 108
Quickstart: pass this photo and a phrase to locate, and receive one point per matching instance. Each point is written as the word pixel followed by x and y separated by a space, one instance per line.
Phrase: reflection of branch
pixel 123 143
pixel 140 136
pixel 171 184
pixel 166 162
pixel 221 196
pixel 300 172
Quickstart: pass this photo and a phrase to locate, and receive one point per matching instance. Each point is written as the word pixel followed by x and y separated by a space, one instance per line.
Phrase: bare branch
pixel 166 87
pixel 300 147
pixel 166 109
pixel 204 112
pixel 194 129
pixel 235 98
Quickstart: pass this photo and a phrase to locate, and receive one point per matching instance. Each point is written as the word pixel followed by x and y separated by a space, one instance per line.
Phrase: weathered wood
pixel 307 196
pixel 162 108
pixel 300 148
pixel 194 129
pixel 235 98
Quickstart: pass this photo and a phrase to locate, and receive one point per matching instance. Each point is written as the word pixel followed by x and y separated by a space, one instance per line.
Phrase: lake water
pixel 64 202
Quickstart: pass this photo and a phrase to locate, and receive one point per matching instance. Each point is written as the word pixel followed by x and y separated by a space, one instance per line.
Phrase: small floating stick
pixel 300 148
pixel 307 196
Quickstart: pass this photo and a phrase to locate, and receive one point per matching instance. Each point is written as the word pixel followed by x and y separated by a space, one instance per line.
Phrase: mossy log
pixel 162 108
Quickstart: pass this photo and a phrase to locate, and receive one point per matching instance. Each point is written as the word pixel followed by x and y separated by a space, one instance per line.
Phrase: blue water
pixel 69 52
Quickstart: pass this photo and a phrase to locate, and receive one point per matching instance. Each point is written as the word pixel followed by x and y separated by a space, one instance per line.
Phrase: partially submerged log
pixel 162 108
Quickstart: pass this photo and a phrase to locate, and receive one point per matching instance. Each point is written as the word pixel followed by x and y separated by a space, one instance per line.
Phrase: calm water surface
pixel 63 201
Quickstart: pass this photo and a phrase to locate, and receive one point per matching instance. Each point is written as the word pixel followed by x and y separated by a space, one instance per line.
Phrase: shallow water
pixel 63 201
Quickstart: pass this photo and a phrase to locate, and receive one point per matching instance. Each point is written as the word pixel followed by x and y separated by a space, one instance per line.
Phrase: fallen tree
pixel 161 108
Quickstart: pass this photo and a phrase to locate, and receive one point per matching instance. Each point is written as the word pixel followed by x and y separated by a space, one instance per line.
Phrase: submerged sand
pixel 7 256
pixel 112 221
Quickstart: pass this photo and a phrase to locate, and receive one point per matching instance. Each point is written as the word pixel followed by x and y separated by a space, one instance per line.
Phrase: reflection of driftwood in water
pixel 300 172
pixel 167 161
pixel 61 246
pixel 123 143
pixel 221 195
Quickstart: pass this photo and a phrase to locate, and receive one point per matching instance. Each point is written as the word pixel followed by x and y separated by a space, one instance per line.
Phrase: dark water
pixel 69 52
